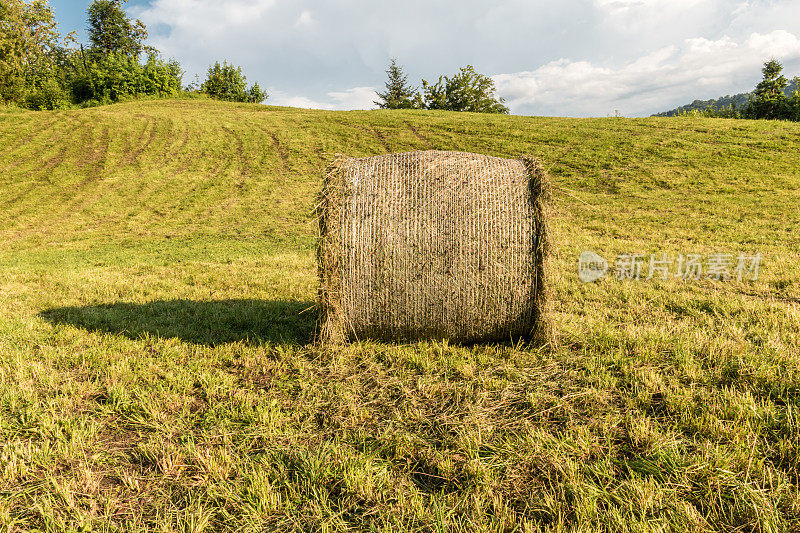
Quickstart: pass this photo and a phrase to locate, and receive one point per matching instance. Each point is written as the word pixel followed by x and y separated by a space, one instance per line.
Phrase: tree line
pixel 41 70
pixel 467 90
pixel 774 98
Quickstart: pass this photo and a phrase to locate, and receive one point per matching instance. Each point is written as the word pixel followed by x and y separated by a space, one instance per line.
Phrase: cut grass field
pixel 157 282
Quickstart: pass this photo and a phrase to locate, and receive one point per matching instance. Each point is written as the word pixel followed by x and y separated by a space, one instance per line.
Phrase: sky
pixel 547 57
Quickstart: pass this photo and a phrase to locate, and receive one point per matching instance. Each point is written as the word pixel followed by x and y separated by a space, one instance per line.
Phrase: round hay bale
pixel 433 245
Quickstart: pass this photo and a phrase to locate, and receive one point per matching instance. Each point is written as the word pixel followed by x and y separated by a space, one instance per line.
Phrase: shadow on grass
pixel 200 322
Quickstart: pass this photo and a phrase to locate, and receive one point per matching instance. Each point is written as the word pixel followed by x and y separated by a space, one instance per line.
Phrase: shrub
pixel 728 111
pixel 115 76
pixel 226 82
pixel 48 95
pixel 466 91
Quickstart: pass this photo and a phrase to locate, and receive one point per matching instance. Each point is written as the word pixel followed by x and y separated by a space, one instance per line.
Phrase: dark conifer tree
pixel 399 94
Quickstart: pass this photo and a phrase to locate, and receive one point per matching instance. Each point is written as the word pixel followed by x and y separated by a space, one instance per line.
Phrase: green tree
pixel 29 49
pixel 116 76
pixel 255 94
pixel 399 94
pixel 111 70
pixel 794 101
pixel 111 31
pixel 226 82
pixel 768 100
pixel 774 82
pixel 466 91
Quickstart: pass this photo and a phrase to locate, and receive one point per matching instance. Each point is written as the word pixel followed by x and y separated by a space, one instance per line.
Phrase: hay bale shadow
pixel 210 322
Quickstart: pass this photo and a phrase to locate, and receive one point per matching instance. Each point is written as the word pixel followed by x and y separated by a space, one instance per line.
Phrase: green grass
pixel 157 280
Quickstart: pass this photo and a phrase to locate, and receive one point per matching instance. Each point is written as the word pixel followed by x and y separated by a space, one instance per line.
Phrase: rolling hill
pixel 156 317
pixel 717 104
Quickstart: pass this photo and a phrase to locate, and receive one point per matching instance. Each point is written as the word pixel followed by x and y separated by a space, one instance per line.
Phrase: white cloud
pixel 277 97
pixel 355 98
pixel 210 17
pixel 778 43
pixel 621 5
pixel 632 16
pixel 700 67
pixel 349 99
pixel 571 57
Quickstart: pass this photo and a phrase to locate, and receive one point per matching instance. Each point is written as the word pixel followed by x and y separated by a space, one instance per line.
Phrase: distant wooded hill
pixel 740 100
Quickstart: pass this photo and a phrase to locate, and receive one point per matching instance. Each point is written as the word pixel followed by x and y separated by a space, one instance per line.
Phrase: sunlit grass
pixel 156 313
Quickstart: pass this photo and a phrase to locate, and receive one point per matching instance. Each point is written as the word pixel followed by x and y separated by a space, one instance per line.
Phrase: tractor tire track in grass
pixel 201 202
pixel 97 162
pixel 39 129
pixel 280 150
pixel 155 196
pixel 91 152
pixel 183 155
pixel 417 134
pixel 57 159
pixel 180 151
pixel 212 201
pixel 42 147
pixel 244 169
pixel 218 202
pixel 44 171
pixel 179 136
pixel 171 153
pixel 77 193
pixel 145 138
pixel 40 176
pixel 381 139
pixel 13 200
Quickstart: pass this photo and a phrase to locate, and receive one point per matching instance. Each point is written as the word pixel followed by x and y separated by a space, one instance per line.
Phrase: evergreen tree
pixel 774 82
pixel 399 94
pixel 768 100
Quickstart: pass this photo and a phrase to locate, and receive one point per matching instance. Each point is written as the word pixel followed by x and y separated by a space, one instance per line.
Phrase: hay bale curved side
pixel 433 245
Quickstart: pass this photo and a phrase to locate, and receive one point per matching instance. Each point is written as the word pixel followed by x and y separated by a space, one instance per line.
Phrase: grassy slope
pixel 156 264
